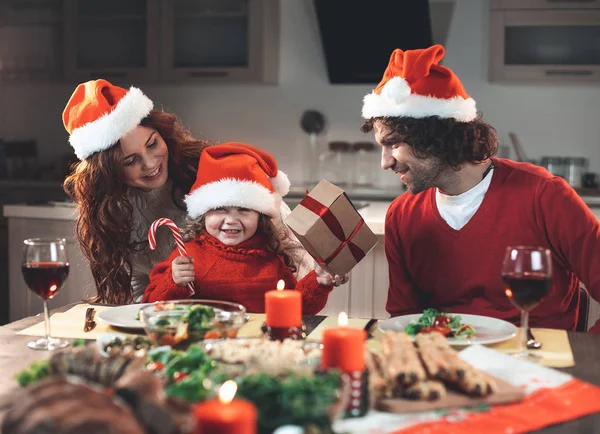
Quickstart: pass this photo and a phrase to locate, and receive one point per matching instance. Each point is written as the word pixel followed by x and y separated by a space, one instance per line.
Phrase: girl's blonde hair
pixel 277 240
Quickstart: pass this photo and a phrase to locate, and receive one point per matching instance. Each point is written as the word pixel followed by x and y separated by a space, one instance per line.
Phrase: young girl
pixel 235 252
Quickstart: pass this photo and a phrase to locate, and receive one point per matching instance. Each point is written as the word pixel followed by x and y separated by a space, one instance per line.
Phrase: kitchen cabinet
pixel 140 41
pixel 219 40
pixel 544 41
pixel 31 41
pixel 112 39
pixel 79 284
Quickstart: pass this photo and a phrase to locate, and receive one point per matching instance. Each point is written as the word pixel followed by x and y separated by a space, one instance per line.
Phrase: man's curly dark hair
pixel 453 142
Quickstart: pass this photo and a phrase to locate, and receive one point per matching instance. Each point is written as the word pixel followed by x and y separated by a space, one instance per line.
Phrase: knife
pixel 89 319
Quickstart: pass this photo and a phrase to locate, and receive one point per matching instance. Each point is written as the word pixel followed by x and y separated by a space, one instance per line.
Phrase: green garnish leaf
pixel 36 372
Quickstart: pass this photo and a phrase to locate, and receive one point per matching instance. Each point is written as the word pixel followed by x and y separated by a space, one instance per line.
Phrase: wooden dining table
pixel 16 356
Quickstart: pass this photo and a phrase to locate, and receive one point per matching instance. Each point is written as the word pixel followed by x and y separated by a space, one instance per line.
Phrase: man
pixel 445 240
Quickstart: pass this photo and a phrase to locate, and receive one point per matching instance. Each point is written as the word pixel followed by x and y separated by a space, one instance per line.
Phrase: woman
pixel 135 166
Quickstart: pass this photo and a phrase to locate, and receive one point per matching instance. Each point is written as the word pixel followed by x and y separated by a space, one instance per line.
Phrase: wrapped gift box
pixel 331 229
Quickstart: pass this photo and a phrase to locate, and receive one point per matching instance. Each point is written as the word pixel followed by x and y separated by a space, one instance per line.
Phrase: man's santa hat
pixel 415 86
pixel 99 114
pixel 239 175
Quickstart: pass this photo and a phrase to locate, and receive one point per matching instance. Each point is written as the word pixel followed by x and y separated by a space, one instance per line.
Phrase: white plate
pixel 488 330
pixel 123 316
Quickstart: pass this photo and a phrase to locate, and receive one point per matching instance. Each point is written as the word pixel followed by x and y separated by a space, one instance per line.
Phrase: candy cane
pixel 178 240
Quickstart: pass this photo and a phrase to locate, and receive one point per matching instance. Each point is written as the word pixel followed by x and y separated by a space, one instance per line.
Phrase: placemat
pixel 70 324
pixel 556 348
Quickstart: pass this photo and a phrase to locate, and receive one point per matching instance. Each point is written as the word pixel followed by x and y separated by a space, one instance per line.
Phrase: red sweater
pixel 433 265
pixel 241 274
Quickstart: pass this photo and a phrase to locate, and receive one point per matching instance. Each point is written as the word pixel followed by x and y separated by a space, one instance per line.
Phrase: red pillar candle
pixel 344 347
pixel 225 415
pixel 283 307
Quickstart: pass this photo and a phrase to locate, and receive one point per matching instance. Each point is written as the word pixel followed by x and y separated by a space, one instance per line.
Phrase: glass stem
pixel 46 321
pixel 524 327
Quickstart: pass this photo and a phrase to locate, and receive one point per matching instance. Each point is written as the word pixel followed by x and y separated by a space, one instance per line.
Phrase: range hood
pixel 358 36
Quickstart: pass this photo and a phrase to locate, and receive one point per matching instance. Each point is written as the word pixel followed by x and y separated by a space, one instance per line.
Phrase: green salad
pixel 433 321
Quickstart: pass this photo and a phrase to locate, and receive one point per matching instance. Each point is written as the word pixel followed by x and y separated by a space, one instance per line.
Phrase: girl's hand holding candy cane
pixel 180 246
pixel 182 270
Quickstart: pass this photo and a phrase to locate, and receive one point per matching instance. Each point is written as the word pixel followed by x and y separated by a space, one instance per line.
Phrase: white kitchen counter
pixel 63 211
pixel 374 216
pixel 374 213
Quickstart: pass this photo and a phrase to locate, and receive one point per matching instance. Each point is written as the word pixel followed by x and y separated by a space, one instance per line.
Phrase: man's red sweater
pixel 241 274
pixel 434 265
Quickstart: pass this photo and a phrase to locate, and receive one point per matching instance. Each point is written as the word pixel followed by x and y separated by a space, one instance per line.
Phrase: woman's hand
pixel 326 279
pixel 182 269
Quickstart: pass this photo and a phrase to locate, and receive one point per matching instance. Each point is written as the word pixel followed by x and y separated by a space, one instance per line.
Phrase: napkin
pixel 551 397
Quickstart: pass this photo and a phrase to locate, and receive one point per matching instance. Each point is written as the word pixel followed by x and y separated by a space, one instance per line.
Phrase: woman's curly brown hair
pixel 104 224
pixel 452 142
pixel 276 240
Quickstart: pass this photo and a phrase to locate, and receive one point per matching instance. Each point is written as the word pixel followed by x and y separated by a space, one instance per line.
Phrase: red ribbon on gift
pixel 335 227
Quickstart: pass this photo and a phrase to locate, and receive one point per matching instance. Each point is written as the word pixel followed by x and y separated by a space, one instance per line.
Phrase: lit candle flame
pixel 508 292
pixel 280 285
pixel 343 319
pixel 227 391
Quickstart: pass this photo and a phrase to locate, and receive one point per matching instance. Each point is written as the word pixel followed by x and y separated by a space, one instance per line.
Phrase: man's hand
pixel 183 270
pixel 326 279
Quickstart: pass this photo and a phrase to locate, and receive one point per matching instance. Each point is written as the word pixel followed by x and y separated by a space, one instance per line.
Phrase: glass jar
pixel 333 163
pixel 575 167
pixel 366 161
pixel 554 165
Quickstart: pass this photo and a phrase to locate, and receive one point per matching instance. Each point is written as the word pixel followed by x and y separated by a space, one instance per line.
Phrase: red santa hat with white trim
pixel 99 113
pixel 240 175
pixel 415 85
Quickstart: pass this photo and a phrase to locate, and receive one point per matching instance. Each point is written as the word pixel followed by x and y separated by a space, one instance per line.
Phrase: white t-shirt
pixel 458 210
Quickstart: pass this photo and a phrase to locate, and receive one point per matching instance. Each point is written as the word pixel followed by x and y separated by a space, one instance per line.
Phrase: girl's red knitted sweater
pixel 241 274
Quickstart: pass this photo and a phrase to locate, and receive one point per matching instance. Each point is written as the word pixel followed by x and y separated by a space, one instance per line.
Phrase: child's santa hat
pixel 99 114
pixel 240 175
pixel 415 86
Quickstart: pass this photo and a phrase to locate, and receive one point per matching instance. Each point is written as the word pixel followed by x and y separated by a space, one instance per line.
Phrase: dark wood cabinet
pixel 139 41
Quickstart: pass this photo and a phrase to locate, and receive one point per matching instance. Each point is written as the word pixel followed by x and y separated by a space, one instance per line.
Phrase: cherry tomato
pixel 155 366
pixel 426 330
pixel 178 376
pixel 441 320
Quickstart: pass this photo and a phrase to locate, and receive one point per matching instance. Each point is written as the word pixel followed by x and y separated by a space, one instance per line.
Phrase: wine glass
pixel 527 273
pixel 45 268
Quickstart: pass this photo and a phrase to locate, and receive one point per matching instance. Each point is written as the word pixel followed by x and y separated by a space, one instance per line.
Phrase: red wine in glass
pixel 45 268
pixel 45 278
pixel 527 290
pixel 527 273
